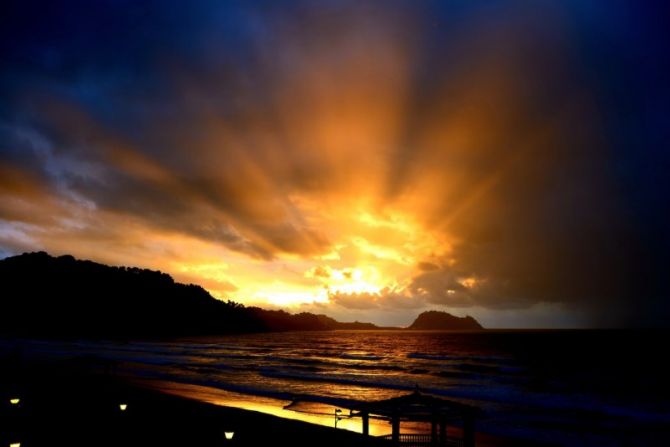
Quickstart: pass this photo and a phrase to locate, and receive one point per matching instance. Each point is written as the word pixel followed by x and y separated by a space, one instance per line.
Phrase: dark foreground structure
pixel 420 407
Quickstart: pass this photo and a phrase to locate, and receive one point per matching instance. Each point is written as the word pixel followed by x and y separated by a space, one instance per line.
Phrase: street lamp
pixel 123 407
pixel 229 434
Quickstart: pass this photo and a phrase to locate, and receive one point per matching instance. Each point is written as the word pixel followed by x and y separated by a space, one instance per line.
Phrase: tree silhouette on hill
pixel 46 296
pixel 49 296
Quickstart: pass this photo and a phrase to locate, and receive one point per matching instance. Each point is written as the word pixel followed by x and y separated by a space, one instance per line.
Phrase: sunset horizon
pixel 337 159
pixel 392 223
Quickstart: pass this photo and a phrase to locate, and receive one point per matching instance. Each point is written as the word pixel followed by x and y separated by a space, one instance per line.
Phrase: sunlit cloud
pixel 372 157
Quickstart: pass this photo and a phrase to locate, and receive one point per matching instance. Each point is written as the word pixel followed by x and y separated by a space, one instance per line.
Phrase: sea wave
pixel 351 356
pixel 479 358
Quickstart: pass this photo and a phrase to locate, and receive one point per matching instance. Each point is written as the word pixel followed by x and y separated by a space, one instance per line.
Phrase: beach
pixel 66 406
pixel 265 387
pixel 84 402
pixel 336 222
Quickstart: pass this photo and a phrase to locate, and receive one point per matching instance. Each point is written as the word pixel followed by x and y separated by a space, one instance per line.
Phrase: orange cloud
pixel 374 157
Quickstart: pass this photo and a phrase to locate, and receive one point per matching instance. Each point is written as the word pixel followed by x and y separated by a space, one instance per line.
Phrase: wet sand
pixel 71 405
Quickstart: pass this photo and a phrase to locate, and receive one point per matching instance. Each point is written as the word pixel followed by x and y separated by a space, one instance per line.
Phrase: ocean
pixel 566 388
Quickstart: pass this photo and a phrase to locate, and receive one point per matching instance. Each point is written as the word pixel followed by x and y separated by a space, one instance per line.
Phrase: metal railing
pixel 420 440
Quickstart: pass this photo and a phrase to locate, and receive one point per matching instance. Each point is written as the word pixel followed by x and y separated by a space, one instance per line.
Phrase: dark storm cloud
pixel 562 196
pixel 100 108
pixel 541 132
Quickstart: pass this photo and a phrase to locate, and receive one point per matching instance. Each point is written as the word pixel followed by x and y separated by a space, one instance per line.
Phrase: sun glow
pixel 345 190
pixel 284 295
pixel 372 250
pixel 366 279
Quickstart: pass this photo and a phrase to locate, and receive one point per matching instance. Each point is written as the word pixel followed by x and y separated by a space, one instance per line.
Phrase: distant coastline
pixel 47 296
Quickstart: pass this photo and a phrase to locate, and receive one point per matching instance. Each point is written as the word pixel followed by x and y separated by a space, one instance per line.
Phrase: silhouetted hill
pixel 41 295
pixel 279 320
pixel 434 320
pixel 338 325
pixel 46 296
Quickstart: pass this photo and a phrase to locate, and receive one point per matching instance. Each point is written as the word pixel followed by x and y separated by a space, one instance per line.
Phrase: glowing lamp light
pixel 229 434
pixel 14 401
pixel 123 407
pixel 15 444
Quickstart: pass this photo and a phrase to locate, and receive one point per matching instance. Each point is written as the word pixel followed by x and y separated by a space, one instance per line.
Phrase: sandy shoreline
pixel 218 398
pixel 65 408
pixel 69 405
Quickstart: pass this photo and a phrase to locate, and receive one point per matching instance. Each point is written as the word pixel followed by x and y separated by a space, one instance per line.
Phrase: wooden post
pixel 443 430
pixel 468 431
pixel 366 423
pixel 433 431
pixel 395 429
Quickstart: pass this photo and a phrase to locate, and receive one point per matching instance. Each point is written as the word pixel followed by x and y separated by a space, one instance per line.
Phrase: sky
pixel 364 159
